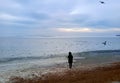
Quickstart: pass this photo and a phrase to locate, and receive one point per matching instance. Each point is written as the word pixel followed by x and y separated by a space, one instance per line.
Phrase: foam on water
pixel 30 64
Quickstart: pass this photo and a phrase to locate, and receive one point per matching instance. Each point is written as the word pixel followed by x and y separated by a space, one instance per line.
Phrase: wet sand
pixel 83 62
pixel 107 73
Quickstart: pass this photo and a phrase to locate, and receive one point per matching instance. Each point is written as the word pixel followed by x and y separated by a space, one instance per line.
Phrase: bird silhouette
pixel 104 42
pixel 102 2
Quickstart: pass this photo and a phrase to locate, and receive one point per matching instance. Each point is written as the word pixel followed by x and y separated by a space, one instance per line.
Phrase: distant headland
pixel 117 35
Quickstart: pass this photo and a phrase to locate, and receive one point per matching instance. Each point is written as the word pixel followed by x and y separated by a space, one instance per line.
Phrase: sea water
pixel 20 50
pixel 19 53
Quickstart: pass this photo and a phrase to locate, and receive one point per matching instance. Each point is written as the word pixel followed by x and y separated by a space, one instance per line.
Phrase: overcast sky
pixel 59 18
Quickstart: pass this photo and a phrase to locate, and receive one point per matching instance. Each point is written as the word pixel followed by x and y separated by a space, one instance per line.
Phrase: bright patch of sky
pixel 51 18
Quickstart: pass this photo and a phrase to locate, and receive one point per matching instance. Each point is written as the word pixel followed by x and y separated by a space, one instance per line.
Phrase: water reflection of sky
pixel 50 46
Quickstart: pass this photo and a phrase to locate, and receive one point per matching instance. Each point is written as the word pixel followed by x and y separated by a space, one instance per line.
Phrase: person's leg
pixel 70 65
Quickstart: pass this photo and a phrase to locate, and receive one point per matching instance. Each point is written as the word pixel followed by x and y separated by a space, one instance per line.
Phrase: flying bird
pixel 104 42
pixel 102 2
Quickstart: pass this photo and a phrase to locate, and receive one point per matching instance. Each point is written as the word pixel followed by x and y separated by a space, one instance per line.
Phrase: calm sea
pixel 16 52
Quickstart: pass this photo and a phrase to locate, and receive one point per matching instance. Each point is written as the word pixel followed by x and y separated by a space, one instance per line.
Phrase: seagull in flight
pixel 104 42
pixel 102 2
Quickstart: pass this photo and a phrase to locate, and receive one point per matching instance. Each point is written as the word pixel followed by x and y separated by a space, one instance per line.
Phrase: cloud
pixel 87 30
pixel 4 16
pixel 8 19
pixel 39 15
pixel 74 30
pixel 9 4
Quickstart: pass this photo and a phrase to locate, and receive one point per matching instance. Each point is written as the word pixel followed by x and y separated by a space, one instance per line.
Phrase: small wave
pixel 104 51
pixel 79 58
pixel 78 55
pixel 99 52
pixel 10 59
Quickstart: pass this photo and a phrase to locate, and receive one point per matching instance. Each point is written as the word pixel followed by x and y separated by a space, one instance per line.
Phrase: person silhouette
pixel 70 59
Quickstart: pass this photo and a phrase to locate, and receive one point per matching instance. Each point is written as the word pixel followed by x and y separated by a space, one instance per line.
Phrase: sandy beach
pixel 108 73
pixel 84 65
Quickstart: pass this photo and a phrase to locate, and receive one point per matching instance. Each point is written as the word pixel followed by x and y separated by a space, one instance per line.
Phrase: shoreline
pixel 82 61
pixel 61 72
pixel 57 68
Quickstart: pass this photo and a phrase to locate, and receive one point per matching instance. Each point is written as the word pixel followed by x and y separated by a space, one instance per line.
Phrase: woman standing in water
pixel 70 60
